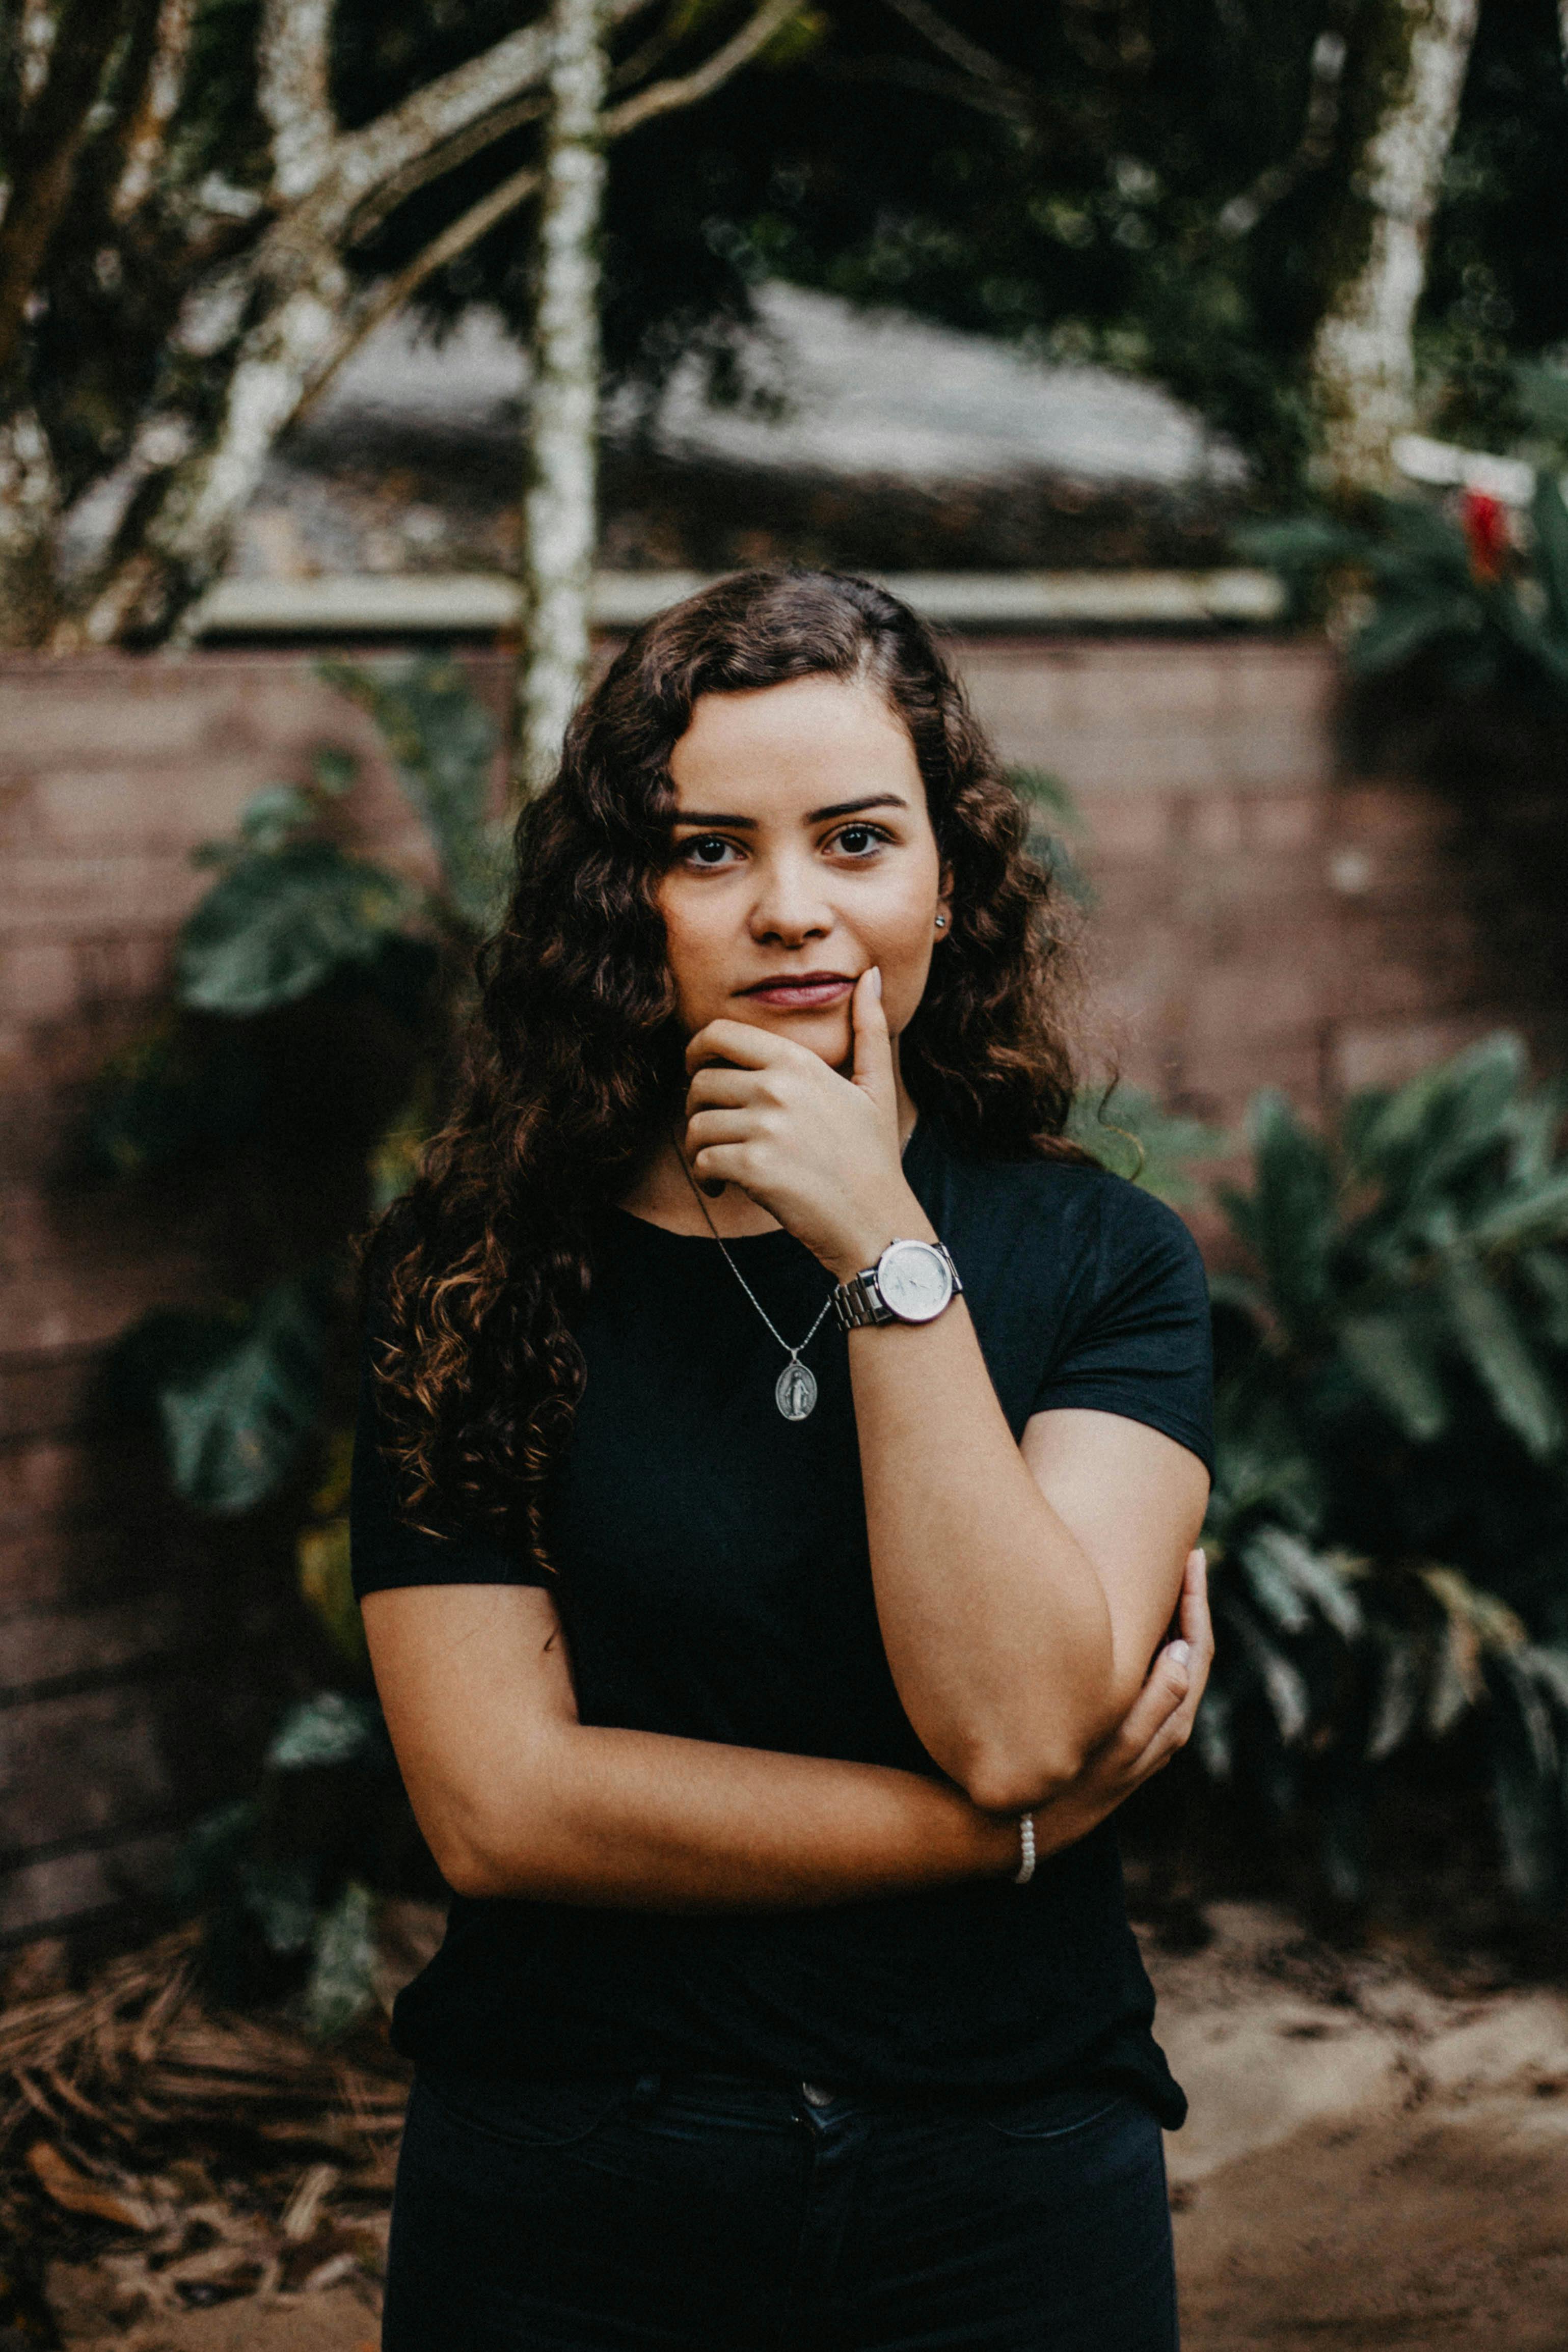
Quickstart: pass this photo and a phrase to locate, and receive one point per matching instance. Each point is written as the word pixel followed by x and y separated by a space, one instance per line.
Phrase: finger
pixel 1167 1743
pixel 707 1127
pixel 719 1086
pixel 1201 1661
pixel 724 1164
pixel 873 1067
pixel 1162 1696
pixel 741 1043
pixel 1198 1623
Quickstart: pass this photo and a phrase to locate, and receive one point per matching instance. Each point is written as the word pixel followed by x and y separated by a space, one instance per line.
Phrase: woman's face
pixel 800 853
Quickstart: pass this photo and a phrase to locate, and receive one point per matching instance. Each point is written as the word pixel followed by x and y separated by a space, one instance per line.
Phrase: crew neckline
pixel 749 1241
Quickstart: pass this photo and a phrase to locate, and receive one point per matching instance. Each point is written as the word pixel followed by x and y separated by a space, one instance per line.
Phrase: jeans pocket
pixel 1054 2115
pixel 526 2113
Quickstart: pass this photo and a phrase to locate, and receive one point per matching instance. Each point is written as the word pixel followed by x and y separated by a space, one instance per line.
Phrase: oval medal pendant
pixel 795 1391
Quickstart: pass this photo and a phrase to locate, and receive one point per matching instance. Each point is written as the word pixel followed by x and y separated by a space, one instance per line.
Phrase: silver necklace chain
pixel 795 1392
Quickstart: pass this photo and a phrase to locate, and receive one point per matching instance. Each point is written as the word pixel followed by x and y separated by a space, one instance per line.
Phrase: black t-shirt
pixel 714 1578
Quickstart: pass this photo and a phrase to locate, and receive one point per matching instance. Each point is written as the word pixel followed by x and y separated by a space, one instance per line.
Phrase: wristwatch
pixel 912 1282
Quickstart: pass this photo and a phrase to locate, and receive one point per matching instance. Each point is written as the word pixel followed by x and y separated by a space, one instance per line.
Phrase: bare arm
pixel 515 1797
pixel 1020 1590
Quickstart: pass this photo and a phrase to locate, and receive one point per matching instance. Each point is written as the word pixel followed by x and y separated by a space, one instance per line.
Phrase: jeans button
pixel 815 2096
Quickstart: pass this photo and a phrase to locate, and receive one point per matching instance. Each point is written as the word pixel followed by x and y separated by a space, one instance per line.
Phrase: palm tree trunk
pixel 1408 66
pixel 560 507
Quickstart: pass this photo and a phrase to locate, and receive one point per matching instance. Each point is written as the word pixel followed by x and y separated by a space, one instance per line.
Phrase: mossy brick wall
pixel 1263 917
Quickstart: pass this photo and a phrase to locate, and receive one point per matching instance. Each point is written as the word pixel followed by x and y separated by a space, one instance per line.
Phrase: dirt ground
pixel 1369 2162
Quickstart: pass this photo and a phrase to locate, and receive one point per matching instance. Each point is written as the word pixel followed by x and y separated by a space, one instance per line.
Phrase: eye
pixel 705 851
pixel 859 840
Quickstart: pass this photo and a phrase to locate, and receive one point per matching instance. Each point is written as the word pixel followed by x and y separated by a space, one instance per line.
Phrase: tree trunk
pixel 560 509
pixel 1402 102
pixel 183 536
pixel 29 517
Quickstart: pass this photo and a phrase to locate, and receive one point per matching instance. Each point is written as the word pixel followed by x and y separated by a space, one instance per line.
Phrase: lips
pixel 801 991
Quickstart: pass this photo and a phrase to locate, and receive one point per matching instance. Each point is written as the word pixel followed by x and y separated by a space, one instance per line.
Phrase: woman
pixel 779 1455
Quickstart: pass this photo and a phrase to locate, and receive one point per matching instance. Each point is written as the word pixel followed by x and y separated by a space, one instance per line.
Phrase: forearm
pixel 583 1814
pixel 994 1617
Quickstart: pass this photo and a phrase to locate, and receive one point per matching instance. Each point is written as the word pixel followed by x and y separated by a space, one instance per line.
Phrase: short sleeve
pixel 383 1549
pixel 1138 1339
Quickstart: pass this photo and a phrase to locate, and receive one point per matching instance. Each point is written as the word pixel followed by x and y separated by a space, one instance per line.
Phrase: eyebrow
pixel 816 816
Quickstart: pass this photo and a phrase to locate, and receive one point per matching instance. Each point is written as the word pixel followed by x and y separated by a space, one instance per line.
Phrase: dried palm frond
pixel 138 2047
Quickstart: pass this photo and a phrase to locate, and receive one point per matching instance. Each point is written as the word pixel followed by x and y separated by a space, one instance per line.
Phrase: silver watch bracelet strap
pixel 857 1302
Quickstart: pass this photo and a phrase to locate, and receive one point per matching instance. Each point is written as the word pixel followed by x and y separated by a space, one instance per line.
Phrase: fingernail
pixel 1180 1653
pixel 876 980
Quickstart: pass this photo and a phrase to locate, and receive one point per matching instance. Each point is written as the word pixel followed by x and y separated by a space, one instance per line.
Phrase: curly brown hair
pixel 576 1062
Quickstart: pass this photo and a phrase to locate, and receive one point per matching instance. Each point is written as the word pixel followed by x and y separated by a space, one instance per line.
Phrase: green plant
pixel 1390 1516
pixel 1415 579
pixel 1055 822
pixel 304 963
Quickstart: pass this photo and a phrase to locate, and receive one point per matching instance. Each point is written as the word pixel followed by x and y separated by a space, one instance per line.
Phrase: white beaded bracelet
pixel 1026 1869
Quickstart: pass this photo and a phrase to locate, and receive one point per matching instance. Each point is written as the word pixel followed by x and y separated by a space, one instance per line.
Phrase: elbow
pixel 469 1860
pixel 466 1868
pixel 1019 1780
pixel 1021 1774
pixel 469 1874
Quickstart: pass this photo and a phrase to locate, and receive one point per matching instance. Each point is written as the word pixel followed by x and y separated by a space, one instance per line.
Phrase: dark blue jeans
pixel 714 2215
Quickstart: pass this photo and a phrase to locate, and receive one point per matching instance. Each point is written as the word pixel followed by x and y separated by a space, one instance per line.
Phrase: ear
pixel 944 900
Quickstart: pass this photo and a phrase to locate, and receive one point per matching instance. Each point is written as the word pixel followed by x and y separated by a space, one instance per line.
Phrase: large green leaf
pixel 1283 1683
pixel 237 1415
pixel 1404 623
pixel 1392 1358
pixel 280 1896
pixel 1488 1335
pixel 443 743
pixel 1289 1217
pixel 1547 1273
pixel 1127 1130
pixel 1537 1214
pixel 1525 1771
pixel 1397 1705
pixel 1212 1733
pixel 1443 1120
pixel 331 1728
pixel 1292 1580
pixel 278 924
pixel 342 1983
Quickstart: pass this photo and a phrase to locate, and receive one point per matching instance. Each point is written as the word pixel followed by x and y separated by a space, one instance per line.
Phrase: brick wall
pixel 1263 917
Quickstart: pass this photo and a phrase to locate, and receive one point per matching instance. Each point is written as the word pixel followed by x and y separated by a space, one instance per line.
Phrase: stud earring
pixel 942 922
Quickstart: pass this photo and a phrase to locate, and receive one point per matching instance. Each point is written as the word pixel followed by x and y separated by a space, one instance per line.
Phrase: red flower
pixel 1484 521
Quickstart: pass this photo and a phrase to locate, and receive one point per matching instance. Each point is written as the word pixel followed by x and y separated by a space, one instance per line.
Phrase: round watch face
pixel 913 1280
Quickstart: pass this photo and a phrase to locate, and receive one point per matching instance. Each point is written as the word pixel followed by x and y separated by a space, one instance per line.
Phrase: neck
pixel 663 1193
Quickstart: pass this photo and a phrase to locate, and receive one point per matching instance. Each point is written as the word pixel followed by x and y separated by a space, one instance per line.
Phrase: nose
pixel 788 908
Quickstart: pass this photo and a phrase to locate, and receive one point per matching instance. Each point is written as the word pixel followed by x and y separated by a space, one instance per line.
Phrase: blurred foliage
pixel 1417 579
pixel 1156 189
pixel 1390 1514
pixel 253 1395
pixel 1132 1134
pixel 1056 821
pixel 286 1878
pixel 1151 188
